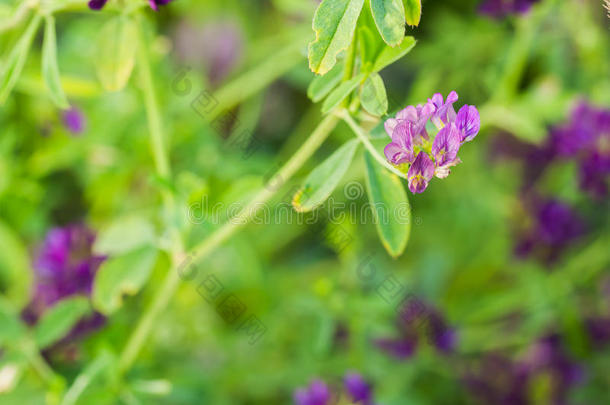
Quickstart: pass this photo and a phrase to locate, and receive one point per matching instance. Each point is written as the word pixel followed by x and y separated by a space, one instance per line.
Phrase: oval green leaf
pixel 323 179
pixel 334 23
pixel 320 86
pixel 390 205
pixel 340 93
pixel 373 95
pixel 59 320
pixel 116 48
pixel 412 11
pixel 122 275
pixel 50 70
pixel 389 18
pixel 388 55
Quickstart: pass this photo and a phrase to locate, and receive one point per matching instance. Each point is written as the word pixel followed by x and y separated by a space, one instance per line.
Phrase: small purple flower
pixel 501 8
pixel 317 393
pixel 358 389
pixel 444 111
pixel 445 149
pixel 468 122
pixel 417 320
pixel 74 120
pixel 400 150
pixel 64 267
pixel 99 4
pixel 420 173
pixel 556 226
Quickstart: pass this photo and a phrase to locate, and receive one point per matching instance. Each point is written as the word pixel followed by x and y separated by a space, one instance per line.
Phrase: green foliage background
pixel 524 74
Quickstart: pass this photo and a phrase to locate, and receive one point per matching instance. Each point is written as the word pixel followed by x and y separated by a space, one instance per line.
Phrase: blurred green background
pixel 525 73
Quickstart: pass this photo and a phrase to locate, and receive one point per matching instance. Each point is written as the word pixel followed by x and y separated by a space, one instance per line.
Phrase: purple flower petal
pixel 400 150
pixel 444 111
pixel 446 146
pixel 420 173
pixel 468 122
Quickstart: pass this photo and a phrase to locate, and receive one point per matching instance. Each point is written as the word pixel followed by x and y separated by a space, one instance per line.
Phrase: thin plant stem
pixel 136 340
pixel 367 143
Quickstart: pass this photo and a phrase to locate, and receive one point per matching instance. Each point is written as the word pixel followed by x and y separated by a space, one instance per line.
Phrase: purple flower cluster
pixel 501 8
pixel 586 139
pixel 318 393
pixel 412 147
pixel 500 380
pixel 65 266
pixel 99 4
pixel 555 226
pixel 416 320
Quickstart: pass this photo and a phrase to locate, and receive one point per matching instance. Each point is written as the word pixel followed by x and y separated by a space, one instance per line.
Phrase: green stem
pixel 279 179
pixel 367 143
pixel 136 340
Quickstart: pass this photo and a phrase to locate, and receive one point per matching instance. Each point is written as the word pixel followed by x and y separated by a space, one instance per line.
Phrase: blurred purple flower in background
pixel 500 380
pixel 555 226
pixel 99 4
pixel 358 389
pixel 65 266
pixel 410 142
pixel 74 120
pixel 417 320
pixel 215 46
pixel 502 8
pixel 317 393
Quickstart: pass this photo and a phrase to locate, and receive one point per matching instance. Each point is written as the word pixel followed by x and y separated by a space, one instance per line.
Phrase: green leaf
pixel 388 55
pixel 412 11
pixel 389 17
pixel 59 320
pixel 50 70
pixel 323 179
pixel 116 48
pixel 121 275
pixel 124 235
pixel 391 209
pixel 12 328
pixel 15 269
pixel 334 23
pixel 16 59
pixel 373 96
pixel 340 93
pixel 320 86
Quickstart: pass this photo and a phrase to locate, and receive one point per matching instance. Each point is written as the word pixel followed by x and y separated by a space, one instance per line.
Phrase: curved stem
pixel 367 143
